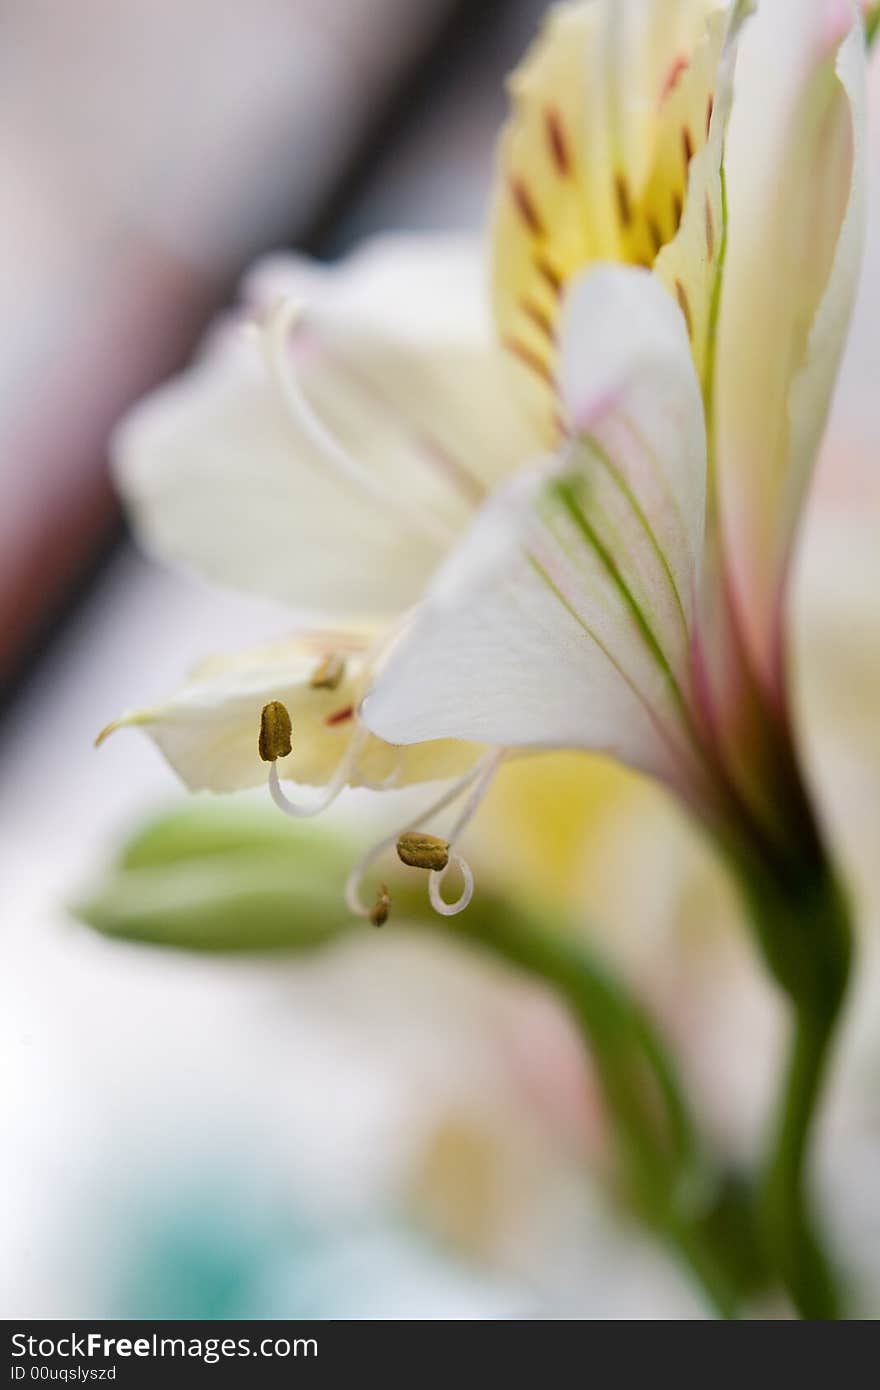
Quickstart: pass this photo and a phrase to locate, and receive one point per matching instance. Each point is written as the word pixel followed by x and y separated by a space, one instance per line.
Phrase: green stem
pixel 793 1242
pixel 670 1182
pixel 816 987
pixel 223 879
pixel 806 933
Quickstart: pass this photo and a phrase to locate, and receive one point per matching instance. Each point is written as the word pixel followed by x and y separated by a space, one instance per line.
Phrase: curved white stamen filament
pixel 331 791
pixel 385 784
pixel 435 879
pixel 356 877
pixel 285 316
pixel 489 766
pixel 478 777
pixel 353 900
pixel 486 769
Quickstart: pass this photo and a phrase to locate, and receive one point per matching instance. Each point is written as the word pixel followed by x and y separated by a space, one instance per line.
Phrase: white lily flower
pixel 676 241
pixel 567 614
pixel 613 153
pixel 326 450
pixel 628 594
pixel 334 457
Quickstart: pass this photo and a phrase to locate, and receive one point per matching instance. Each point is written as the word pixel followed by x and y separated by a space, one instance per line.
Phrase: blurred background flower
pixel 389 1128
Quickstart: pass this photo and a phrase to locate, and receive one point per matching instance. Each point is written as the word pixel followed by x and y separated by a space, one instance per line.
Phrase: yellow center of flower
pixel 599 161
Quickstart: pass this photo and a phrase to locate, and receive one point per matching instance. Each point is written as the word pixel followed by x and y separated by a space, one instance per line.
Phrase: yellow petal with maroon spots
pixel 685 190
pixel 612 111
pixel 553 207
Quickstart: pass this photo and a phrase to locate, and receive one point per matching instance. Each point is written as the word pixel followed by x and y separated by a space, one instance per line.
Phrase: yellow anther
pixel 328 673
pixel 382 907
pixel 422 851
pixel 275 732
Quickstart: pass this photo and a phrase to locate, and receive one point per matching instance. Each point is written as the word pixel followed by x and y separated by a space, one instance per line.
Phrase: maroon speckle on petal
pixel 681 295
pixel 538 316
pixel 677 67
pixel 551 277
pixel 624 205
pixel 522 201
pixel 557 141
pixel 530 359
pixel 340 716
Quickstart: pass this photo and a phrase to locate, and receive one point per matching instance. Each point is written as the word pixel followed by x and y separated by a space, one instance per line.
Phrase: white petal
pixel 557 621
pixel 628 386
pixel 209 729
pixel 852 439
pixel 497 657
pixel 796 174
pixel 396 359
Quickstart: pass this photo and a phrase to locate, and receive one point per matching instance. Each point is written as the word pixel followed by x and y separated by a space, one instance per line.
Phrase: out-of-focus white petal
pixel 394 355
pixel 851 445
pixel 214 479
pixel 563 618
pixel 796 175
pixel 209 729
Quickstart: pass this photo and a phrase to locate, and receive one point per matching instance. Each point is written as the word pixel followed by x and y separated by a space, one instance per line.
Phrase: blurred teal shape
pixel 198 1258
pixel 221 876
pixel 229 876
pixel 222 1254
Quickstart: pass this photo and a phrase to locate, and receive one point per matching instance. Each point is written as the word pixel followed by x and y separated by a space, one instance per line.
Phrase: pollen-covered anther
pixel 421 851
pixel 329 672
pixel 382 907
pixel 276 732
